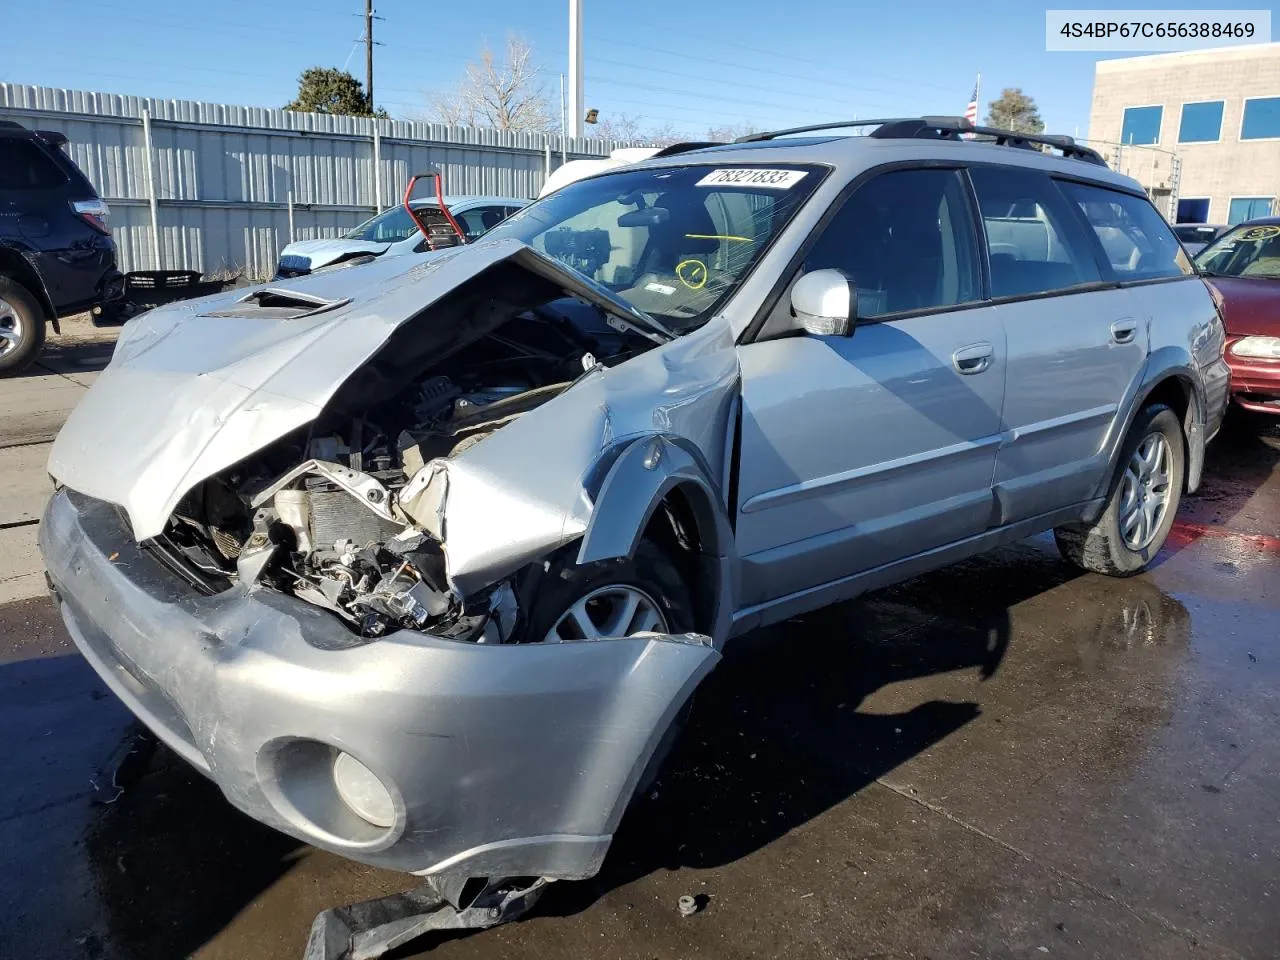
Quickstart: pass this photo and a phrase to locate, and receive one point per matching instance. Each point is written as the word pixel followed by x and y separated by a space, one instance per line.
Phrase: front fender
pixel 640 477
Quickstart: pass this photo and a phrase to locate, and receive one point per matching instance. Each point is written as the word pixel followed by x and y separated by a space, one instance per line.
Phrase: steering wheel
pixel 692 273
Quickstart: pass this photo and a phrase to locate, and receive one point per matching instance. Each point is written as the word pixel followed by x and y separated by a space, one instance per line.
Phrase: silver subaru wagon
pixel 420 561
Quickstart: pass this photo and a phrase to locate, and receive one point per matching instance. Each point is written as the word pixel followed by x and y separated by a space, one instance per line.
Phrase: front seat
pixel 688 233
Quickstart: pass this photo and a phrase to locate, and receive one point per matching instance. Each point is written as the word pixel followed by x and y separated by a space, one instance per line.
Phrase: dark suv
pixel 56 253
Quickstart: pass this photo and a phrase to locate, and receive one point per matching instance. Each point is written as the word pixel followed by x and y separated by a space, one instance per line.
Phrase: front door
pixel 858 451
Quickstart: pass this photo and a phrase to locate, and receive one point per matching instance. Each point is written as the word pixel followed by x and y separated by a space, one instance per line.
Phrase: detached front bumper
pixel 501 760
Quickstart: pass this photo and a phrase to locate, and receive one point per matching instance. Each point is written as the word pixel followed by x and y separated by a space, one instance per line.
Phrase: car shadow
pixel 173 862
pixel 776 736
pixel 68 356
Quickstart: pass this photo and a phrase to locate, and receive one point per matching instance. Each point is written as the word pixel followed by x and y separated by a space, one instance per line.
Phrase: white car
pixel 573 170
pixel 393 232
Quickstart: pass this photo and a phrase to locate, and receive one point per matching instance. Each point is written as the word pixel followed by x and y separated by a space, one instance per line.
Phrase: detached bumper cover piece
pixel 501 760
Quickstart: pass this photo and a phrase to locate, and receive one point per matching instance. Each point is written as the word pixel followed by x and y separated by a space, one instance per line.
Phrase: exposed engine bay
pixel 318 514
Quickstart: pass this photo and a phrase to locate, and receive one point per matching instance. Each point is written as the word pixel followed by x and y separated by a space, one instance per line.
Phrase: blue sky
pixel 688 64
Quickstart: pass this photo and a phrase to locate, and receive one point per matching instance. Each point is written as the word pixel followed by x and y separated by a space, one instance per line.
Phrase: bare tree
pixel 665 135
pixel 730 132
pixel 622 126
pixel 506 93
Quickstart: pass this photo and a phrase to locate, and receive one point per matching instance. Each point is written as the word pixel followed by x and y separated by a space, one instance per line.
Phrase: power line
pixel 734 83
pixel 774 53
pixel 739 66
pixel 717 98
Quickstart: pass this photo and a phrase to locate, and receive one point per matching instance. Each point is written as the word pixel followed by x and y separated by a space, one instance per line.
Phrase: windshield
pixel 1195 233
pixel 390 226
pixel 671 241
pixel 1244 252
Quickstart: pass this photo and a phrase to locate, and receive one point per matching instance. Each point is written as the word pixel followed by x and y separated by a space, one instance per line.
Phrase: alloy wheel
pixel 10 327
pixel 1145 492
pixel 617 610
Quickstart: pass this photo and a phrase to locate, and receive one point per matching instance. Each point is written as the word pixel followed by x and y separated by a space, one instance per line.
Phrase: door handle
pixel 973 359
pixel 1123 331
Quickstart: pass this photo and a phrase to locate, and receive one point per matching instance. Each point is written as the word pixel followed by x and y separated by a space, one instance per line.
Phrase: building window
pixel 1141 125
pixel 1248 208
pixel 1261 119
pixel 1201 122
pixel 1193 210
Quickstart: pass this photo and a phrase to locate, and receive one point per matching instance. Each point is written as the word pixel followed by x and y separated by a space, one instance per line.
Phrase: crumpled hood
pixel 187 393
pixel 318 253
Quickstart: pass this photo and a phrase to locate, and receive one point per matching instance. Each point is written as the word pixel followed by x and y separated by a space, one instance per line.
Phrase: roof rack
pixel 944 128
pixel 685 147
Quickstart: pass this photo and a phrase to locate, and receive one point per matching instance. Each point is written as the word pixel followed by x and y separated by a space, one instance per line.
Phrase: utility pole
pixel 576 108
pixel 368 51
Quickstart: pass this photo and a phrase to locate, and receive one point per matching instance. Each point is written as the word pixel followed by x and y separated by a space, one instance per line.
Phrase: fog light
pixel 362 791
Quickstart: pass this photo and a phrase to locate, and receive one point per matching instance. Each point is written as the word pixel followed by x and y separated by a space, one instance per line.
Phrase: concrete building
pixel 1200 129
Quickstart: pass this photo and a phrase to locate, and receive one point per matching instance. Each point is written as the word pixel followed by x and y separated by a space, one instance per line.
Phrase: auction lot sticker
pixel 753 177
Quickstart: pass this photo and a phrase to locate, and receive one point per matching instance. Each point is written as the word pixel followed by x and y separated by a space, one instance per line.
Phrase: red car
pixel 1243 266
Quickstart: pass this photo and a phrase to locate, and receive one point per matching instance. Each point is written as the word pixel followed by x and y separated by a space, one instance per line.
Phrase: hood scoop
pixel 279 304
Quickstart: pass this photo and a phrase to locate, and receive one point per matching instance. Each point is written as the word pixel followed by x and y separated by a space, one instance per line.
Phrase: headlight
pixel 1262 348
pixel 362 791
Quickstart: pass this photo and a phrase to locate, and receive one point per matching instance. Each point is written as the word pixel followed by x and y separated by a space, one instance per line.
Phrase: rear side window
pixel 1034 240
pixel 1137 242
pixel 24 166
pixel 905 239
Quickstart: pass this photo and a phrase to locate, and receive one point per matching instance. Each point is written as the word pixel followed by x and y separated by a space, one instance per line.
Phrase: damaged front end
pixel 311 496
pixel 347 513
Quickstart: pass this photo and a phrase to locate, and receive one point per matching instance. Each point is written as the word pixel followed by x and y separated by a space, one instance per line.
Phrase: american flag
pixel 971 111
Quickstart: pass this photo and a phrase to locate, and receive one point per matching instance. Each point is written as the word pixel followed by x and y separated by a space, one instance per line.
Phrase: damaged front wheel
pixel 643 594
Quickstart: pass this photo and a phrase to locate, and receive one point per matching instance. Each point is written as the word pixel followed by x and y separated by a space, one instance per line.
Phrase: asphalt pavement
pixel 33 405
pixel 1006 758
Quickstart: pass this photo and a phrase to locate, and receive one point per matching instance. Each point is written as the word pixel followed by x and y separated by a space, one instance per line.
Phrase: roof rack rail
pixel 685 147
pixel 945 128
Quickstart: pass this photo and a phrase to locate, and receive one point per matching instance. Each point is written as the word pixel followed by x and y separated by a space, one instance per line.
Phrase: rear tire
pixel 1141 507
pixel 22 324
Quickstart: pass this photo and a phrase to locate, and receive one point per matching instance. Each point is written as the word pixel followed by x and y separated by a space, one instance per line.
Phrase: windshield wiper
pixel 624 324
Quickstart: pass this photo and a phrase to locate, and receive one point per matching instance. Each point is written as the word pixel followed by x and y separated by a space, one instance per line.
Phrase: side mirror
pixel 823 303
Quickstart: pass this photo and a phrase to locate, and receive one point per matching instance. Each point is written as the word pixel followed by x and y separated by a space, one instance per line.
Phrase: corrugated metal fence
pixel 218 180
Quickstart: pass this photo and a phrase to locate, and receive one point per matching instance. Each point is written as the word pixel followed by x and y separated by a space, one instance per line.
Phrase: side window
pixel 473 222
pixel 906 241
pixel 1034 240
pixel 1138 243
pixel 24 166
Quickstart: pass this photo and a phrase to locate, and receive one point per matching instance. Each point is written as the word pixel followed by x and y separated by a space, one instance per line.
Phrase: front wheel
pixel 1143 502
pixel 644 594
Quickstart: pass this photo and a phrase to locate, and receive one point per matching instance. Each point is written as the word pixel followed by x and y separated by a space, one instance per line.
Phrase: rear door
pixel 860 450
pixel 1075 342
